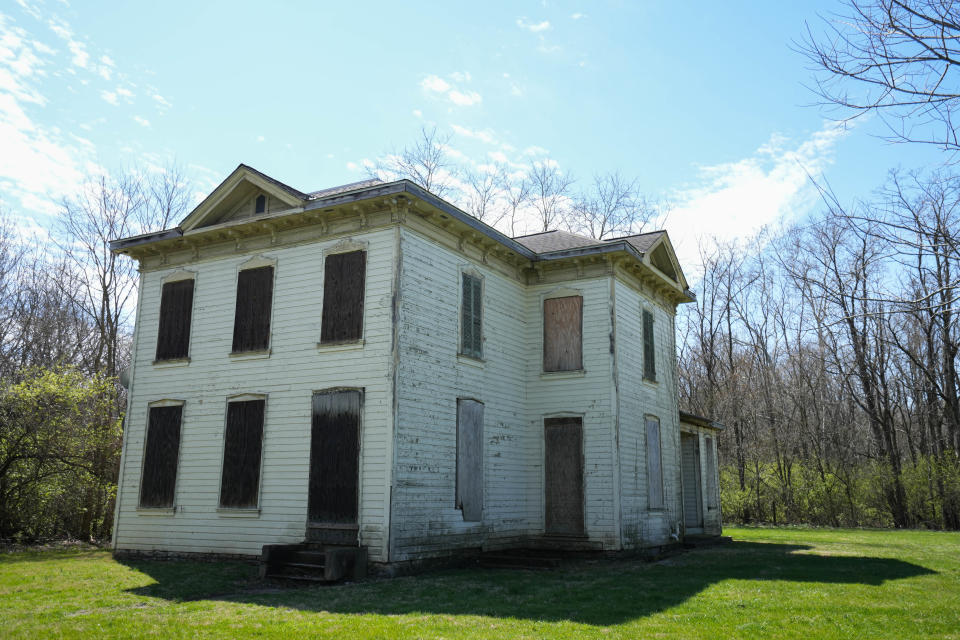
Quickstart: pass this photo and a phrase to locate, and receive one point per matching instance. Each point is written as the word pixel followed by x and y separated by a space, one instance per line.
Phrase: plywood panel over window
pixel 240 480
pixel 160 457
pixel 654 466
pixel 251 324
pixel 563 334
pixel 649 348
pixel 710 455
pixel 469 491
pixel 176 308
pixel 335 457
pixel 343 288
pixel 471 316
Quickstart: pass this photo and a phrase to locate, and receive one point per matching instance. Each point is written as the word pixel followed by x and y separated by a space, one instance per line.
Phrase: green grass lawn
pixel 781 583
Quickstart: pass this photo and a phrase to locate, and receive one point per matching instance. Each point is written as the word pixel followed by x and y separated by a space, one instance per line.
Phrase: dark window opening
pixel 343 297
pixel 240 481
pixel 563 334
pixel 173 333
pixel 654 466
pixel 260 205
pixel 471 317
pixel 335 457
pixel 160 457
pixel 251 324
pixel 649 357
pixel 469 489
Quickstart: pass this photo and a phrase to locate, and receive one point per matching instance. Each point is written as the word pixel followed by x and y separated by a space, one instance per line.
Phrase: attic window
pixel 260 206
pixel 343 297
pixel 251 324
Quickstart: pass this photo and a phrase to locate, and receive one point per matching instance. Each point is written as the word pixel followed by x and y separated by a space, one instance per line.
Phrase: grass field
pixel 778 583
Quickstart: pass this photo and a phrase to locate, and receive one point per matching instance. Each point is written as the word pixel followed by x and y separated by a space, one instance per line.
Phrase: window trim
pixel 644 313
pixel 469 272
pixel 255 262
pixel 166 402
pixel 483 466
pixel 559 293
pixel 647 417
pixel 177 276
pixel 347 245
pixel 254 510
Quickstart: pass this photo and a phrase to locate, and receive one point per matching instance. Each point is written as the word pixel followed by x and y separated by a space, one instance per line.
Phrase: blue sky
pixel 704 102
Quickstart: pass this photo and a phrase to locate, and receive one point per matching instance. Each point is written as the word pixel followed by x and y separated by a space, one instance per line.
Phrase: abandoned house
pixel 368 366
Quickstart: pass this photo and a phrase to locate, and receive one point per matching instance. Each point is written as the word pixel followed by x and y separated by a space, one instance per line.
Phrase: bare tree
pixel 106 208
pixel 549 193
pixel 426 162
pixel 898 58
pixel 614 206
pixel 516 194
pixel 484 189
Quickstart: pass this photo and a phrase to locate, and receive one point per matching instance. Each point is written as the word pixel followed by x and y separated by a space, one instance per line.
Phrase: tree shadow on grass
pixel 602 592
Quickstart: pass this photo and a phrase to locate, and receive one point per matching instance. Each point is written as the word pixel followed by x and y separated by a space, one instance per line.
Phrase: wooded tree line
pixel 65 328
pixel 830 352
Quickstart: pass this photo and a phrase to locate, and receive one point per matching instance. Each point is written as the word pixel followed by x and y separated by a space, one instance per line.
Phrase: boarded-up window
pixel 654 470
pixel 649 358
pixel 160 457
pixel 251 323
pixel 563 334
pixel 469 491
pixel 471 317
pixel 261 204
pixel 710 459
pixel 240 481
pixel 335 457
pixel 343 297
pixel 176 307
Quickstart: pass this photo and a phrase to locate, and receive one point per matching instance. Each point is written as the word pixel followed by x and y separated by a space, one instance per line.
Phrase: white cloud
pixel 353 166
pixel 461 98
pixel 109 96
pixel 577 16
pixel 417 113
pixel 533 27
pixel 260 138
pixel 464 99
pixel 483 136
pixel 534 150
pixel 735 199
pixel 160 100
pixel 143 122
pixel 435 84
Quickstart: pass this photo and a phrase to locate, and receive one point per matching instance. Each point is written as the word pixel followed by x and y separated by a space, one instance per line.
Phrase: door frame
pixel 583 475
pixel 360 432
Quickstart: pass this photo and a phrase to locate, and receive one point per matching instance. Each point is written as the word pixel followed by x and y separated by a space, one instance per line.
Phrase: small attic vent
pixel 260 206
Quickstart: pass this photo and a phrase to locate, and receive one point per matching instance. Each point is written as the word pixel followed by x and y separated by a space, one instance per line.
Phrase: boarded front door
pixel 334 457
pixel 690 466
pixel 563 476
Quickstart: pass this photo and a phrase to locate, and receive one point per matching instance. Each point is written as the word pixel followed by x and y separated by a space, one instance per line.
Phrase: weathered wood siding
pixel 295 368
pixel 587 393
pixel 431 376
pixel 640 525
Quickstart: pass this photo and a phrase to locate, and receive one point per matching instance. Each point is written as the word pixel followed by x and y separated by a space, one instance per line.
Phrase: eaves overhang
pixel 392 189
pixel 700 421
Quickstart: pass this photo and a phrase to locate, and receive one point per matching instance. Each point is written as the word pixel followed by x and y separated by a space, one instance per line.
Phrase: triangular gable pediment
pixel 236 199
pixel 663 258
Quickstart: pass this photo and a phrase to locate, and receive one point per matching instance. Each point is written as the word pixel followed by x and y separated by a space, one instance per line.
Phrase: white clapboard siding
pixel 587 394
pixel 637 399
pixel 431 376
pixel 295 368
